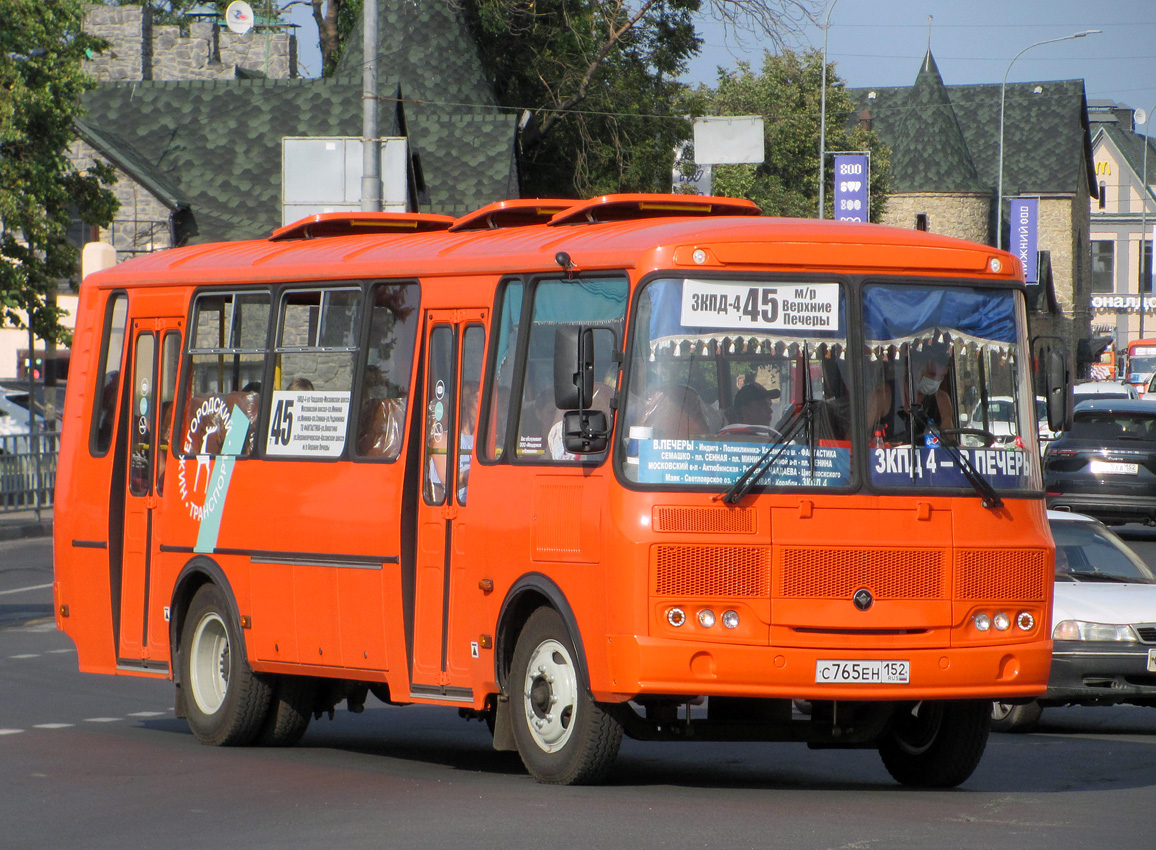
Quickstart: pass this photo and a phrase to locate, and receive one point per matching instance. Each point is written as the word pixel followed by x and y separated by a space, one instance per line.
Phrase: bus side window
pixel 388 365
pixel 593 302
pixel 112 341
pixel 317 336
pixel 507 325
pixel 227 343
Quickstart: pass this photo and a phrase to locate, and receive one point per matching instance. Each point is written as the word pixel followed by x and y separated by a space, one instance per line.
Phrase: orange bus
pixel 645 465
pixel 1140 363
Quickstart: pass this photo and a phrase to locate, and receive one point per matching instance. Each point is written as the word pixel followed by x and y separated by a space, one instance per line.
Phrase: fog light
pixel 1002 621
pixel 731 619
pixel 982 622
pixel 706 618
pixel 675 616
pixel 1025 621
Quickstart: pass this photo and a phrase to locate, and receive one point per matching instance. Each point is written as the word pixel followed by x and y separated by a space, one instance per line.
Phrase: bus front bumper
pixel 639 666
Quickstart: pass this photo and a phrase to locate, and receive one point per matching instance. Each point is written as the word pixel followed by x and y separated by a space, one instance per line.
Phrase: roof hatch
pixel 519 212
pixel 323 225
pixel 626 207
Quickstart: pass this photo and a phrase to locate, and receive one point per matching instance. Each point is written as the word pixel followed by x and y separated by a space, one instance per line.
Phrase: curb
pixel 24 530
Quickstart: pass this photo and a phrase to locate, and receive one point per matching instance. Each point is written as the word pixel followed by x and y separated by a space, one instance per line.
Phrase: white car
pixel 14 420
pixel 1104 390
pixel 1000 418
pixel 1103 625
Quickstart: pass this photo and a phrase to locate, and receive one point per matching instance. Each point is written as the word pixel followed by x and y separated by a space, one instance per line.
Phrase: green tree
pixel 595 82
pixel 787 95
pixel 41 49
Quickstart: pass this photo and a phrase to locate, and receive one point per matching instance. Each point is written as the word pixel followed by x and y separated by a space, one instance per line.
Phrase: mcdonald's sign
pixel 1104 168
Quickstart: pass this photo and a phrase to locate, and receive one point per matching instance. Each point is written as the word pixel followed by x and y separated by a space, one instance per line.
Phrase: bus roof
pixel 727 242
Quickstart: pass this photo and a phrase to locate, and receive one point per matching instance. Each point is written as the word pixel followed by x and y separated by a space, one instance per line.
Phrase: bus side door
pixel 154 354
pixel 454 346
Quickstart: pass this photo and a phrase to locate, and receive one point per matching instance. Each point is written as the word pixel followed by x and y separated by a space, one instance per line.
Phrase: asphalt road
pixel 96 762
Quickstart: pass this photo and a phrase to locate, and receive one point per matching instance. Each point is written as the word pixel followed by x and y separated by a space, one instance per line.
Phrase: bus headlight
pixel 982 622
pixel 675 616
pixel 1025 621
pixel 1001 621
pixel 730 619
pixel 706 618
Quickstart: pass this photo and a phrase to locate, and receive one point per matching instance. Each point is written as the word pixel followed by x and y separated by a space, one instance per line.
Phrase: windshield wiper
pixel 766 460
pixel 989 497
pixel 1092 575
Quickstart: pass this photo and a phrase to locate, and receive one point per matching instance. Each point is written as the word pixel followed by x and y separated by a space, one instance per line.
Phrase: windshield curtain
pixel 946 374
pixel 722 371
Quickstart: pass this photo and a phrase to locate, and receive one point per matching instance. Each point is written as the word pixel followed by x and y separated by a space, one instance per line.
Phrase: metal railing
pixel 28 470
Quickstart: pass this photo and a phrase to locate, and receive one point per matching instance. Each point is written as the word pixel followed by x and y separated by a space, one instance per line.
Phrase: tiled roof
pixel 216 144
pixel 1047 145
pixel 1131 147
pixel 929 152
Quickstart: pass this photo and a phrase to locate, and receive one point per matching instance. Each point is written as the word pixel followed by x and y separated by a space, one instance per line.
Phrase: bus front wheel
pixel 936 744
pixel 563 736
pixel 227 703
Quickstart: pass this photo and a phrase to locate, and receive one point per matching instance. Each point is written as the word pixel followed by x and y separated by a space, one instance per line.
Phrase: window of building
pixel 1103 265
pixel 921 221
pixel 1145 265
pixel 1103 194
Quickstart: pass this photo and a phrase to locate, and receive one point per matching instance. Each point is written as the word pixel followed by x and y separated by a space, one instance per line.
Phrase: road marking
pixel 26 655
pixel 25 589
pixel 103 719
pixel 148 713
pixel 10 731
pixel 61 651
pixel 52 725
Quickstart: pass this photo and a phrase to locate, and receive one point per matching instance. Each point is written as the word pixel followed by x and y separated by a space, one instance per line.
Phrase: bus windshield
pixel 737 380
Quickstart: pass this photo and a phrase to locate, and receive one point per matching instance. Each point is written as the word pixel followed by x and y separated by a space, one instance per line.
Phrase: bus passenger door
pixel 454 346
pixel 154 355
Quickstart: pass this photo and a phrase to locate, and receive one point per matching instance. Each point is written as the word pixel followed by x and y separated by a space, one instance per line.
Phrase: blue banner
pixel 852 187
pixel 1025 225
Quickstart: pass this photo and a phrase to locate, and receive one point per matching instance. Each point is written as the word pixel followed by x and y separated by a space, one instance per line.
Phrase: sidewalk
pixel 16 525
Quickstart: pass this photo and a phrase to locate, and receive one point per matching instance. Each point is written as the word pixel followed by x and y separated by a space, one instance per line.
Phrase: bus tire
pixel 226 702
pixel 563 736
pixel 1006 717
pixel 936 744
pixel 290 710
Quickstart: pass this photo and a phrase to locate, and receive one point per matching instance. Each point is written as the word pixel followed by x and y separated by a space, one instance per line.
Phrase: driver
pixel 753 409
pixel 931 399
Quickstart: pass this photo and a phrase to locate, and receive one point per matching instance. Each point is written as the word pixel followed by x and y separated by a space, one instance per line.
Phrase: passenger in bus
pixel 108 409
pixel 675 411
pixel 878 402
pixel 931 403
pixel 467 423
pixel 300 384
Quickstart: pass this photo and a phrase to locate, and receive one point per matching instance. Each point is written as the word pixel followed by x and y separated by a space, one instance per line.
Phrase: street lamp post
pixel 1144 195
pixel 1002 93
pixel 823 116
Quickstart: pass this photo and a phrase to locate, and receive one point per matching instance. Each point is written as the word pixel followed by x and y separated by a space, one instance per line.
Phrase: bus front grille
pixel 711 570
pixel 838 572
pixel 1001 574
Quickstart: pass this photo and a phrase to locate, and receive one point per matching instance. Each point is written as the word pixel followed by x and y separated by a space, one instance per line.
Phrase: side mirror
pixel 585 432
pixel 573 347
pixel 1059 391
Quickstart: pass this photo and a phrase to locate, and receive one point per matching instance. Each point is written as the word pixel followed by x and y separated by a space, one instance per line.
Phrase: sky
pixel 881 42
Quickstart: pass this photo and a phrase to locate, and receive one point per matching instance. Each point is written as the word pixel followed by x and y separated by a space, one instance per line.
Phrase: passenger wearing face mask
pixel 932 402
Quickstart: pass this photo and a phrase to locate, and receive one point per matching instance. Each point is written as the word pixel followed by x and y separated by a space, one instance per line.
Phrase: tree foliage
pixel 787 95
pixel 41 49
pixel 596 82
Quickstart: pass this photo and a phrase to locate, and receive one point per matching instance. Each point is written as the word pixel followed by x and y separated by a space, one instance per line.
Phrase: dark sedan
pixel 1105 464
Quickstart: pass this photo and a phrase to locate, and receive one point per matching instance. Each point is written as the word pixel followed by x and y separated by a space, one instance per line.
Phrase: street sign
pixel 852 187
pixel 1025 224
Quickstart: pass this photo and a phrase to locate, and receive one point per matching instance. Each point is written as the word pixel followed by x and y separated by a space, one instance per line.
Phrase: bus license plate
pixel 863 672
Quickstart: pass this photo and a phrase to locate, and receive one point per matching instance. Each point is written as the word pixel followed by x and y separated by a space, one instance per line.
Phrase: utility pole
pixel 371 143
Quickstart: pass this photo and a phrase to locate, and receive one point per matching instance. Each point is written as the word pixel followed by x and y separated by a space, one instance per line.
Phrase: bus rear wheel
pixel 936 744
pixel 563 736
pixel 290 710
pixel 227 703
